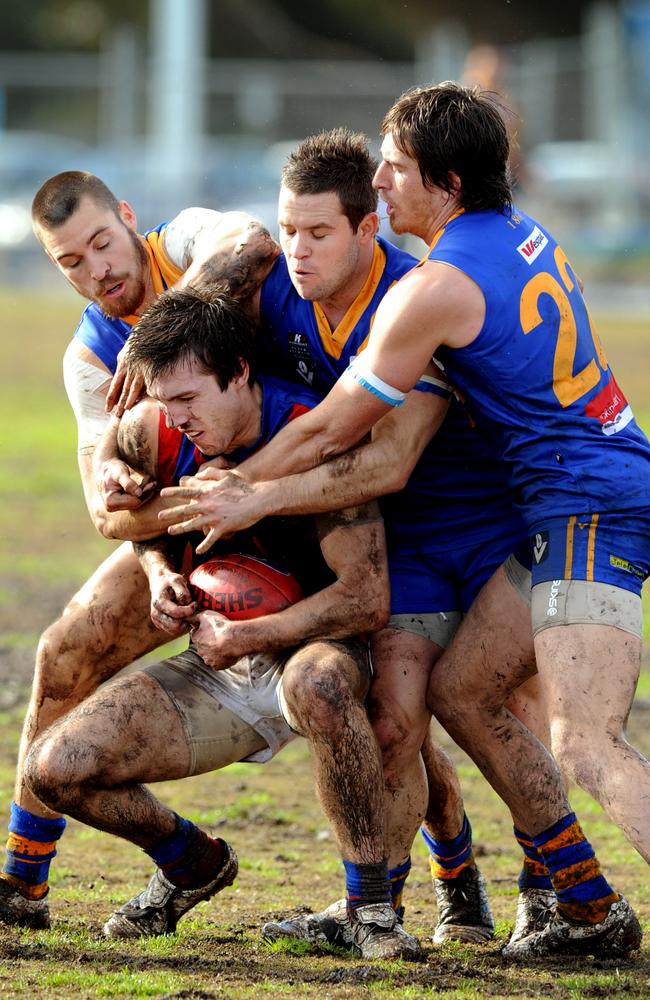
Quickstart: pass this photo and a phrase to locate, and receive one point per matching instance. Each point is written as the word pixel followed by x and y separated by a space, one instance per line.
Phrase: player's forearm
pixel 346 481
pixel 155 555
pixel 237 262
pixel 137 525
pixel 382 465
pixel 336 612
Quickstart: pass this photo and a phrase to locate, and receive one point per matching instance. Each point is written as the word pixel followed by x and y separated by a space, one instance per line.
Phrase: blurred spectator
pixel 485 67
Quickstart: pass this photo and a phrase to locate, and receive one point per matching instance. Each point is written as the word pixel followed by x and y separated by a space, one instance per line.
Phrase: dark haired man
pixel 244 688
pixel 448 530
pixel 91 237
pixel 514 334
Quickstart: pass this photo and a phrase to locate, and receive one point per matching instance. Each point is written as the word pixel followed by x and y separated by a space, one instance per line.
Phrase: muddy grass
pixel 288 862
pixel 269 813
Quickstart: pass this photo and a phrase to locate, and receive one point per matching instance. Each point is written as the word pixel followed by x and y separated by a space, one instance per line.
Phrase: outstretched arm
pixel 433 304
pixel 229 503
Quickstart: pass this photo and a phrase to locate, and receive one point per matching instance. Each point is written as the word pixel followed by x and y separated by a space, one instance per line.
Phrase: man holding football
pixel 91 237
pixel 243 689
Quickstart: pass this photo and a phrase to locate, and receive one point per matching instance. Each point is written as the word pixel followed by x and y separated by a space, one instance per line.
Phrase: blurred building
pixel 166 124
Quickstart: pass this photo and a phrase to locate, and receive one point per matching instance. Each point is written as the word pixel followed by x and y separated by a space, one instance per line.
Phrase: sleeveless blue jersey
pixel 458 483
pixel 536 378
pixel 106 335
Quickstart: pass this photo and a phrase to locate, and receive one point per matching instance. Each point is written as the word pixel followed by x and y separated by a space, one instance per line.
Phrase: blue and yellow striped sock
pixel 397 876
pixel 31 846
pixel 583 893
pixel 534 873
pixel 448 858
pixel 366 884
pixel 188 857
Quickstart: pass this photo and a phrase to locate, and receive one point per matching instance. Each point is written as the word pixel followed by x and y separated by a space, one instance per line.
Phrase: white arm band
pixel 359 370
pixel 86 386
pixel 436 386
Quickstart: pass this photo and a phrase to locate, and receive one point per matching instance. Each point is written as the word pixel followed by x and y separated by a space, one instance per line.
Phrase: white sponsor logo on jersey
pixel 620 421
pixel 533 245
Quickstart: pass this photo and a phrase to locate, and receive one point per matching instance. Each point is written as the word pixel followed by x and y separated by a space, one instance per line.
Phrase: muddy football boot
pixel 463 908
pixel 16 909
pixel 160 906
pixel 535 907
pixel 378 933
pixel 330 926
pixel 614 937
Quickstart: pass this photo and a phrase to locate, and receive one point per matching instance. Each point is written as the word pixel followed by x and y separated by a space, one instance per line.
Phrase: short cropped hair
pixel 59 197
pixel 452 128
pixel 192 325
pixel 338 161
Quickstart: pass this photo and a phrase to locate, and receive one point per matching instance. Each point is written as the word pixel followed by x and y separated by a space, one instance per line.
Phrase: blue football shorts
pixel 612 548
pixel 434 578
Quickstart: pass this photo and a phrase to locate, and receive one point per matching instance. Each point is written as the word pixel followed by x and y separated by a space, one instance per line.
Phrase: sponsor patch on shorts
pixel 626 566
pixel 552 608
pixel 533 245
pixel 540 547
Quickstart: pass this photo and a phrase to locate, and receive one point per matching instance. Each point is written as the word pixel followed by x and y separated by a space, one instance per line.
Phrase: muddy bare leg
pixel 491 655
pixel 92 764
pixel 104 627
pixel 324 686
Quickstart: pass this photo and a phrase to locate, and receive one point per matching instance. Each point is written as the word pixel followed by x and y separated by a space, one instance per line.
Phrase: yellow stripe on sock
pixel 589 912
pixel 575 874
pixel 437 871
pixel 22 845
pixel 572 835
pixel 28 891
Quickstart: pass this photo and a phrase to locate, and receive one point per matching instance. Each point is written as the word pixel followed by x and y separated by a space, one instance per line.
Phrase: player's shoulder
pixel 182 232
pixel 291 392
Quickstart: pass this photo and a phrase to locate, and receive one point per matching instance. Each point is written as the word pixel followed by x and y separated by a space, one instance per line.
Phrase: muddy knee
pixel 580 758
pixel 76 653
pixel 319 697
pixel 398 734
pixel 49 774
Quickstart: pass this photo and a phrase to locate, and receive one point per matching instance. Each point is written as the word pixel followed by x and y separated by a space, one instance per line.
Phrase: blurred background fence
pixel 171 108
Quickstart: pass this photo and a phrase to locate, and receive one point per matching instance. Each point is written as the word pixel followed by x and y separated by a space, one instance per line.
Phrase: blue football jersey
pixel 536 378
pixel 459 485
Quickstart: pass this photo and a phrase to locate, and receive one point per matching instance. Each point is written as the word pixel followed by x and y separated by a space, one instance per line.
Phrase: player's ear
pixel 454 184
pixel 244 375
pixel 127 215
pixel 368 227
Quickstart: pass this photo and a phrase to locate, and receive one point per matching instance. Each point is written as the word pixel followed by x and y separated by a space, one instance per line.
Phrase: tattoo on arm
pixel 240 274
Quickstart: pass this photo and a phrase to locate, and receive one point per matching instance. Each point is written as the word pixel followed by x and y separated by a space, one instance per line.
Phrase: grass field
pixel 269 813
